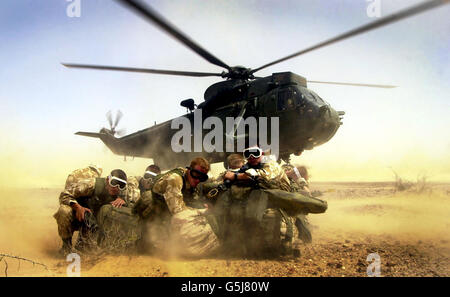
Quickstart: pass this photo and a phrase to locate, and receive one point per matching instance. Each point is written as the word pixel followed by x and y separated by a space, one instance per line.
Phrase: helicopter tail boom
pixel 109 140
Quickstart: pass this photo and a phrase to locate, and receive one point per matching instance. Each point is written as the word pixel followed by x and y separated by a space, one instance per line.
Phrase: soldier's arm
pixel 170 188
pixel 82 188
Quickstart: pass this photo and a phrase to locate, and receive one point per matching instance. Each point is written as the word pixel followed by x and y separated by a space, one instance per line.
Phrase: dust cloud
pixel 360 217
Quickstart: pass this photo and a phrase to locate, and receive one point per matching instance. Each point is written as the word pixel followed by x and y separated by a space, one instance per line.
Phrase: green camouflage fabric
pixel 300 221
pixel 189 226
pixel 90 193
pixel 120 228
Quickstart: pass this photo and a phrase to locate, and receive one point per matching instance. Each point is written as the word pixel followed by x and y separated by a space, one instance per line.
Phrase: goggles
pixel 148 175
pixel 254 152
pixel 117 182
pixel 198 175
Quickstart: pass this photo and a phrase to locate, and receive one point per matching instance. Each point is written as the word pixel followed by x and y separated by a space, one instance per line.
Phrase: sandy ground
pixel 408 230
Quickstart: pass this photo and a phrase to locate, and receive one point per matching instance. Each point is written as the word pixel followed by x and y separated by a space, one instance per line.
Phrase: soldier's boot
pixel 304 232
pixel 87 240
pixel 66 246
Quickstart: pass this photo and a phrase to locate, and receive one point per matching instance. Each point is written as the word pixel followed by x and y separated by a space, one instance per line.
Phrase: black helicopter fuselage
pixel 305 119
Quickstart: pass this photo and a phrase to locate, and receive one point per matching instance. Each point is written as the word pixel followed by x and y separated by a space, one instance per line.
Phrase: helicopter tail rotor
pixel 113 124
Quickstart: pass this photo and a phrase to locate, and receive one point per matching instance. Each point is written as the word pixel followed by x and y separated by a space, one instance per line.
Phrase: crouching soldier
pixel 81 202
pixel 298 177
pixel 189 226
pixel 138 185
pixel 269 204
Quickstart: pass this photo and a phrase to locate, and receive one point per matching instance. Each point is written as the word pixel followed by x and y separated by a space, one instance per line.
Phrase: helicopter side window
pixel 285 100
pixel 299 99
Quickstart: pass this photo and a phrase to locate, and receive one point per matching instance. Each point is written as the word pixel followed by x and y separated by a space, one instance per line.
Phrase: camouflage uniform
pixel 189 227
pixel 83 173
pixel 250 224
pixel 90 193
pixel 273 176
pixel 133 192
pixel 302 229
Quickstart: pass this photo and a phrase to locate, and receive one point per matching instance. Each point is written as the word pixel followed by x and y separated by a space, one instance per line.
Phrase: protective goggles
pixel 198 175
pixel 117 182
pixel 148 175
pixel 254 152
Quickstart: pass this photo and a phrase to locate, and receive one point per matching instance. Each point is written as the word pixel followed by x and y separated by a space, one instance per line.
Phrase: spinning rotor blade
pixel 118 117
pixel 109 118
pixel 143 70
pixel 163 24
pixel 376 24
pixel 351 84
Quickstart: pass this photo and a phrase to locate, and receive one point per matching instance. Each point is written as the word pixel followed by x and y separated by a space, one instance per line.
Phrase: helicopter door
pixel 285 100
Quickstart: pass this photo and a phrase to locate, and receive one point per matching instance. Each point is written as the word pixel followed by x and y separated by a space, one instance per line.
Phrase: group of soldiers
pixel 256 207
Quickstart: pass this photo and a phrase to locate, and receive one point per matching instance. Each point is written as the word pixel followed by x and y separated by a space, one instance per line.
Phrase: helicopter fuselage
pixel 305 119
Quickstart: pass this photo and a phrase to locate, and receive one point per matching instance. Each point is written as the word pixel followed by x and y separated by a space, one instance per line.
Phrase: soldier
pixel 87 196
pixel 190 226
pixel 269 200
pixel 137 185
pixel 269 172
pixel 233 163
pixel 298 177
pixel 92 171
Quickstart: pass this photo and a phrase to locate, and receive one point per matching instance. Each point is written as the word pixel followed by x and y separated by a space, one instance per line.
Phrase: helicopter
pixel 305 119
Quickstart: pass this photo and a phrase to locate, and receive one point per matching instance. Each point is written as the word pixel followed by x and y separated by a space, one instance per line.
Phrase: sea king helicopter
pixel 305 119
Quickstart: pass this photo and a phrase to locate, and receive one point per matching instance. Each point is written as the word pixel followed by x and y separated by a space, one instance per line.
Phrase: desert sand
pixel 409 230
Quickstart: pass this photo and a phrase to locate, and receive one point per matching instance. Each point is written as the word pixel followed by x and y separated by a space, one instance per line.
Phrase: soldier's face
pixel 147 184
pixel 193 181
pixel 237 164
pixel 113 191
pixel 254 161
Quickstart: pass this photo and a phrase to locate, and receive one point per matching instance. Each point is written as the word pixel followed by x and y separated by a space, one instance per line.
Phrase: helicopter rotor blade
pixel 163 24
pixel 143 70
pixel 118 117
pixel 373 25
pixel 351 84
pixel 109 118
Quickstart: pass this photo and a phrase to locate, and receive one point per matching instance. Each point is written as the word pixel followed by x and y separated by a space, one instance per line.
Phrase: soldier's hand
pixel 79 211
pixel 229 175
pixel 118 202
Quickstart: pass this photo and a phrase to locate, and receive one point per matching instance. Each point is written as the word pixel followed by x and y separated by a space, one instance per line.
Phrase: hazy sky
pixel 43 103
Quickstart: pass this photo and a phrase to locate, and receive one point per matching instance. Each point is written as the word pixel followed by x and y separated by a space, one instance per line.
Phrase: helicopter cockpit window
pixel 286 100
pixel 317 97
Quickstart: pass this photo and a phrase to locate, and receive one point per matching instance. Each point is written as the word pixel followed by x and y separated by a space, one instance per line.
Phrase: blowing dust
pixel 356 212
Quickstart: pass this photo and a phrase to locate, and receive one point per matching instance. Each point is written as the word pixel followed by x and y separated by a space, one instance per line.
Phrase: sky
pixel 44 104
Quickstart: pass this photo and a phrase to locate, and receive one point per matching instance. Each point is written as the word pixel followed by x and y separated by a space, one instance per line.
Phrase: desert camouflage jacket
pixel 90 192
pixel 272 175
pixel 133 192
pixel 83 173
pixel 175 189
